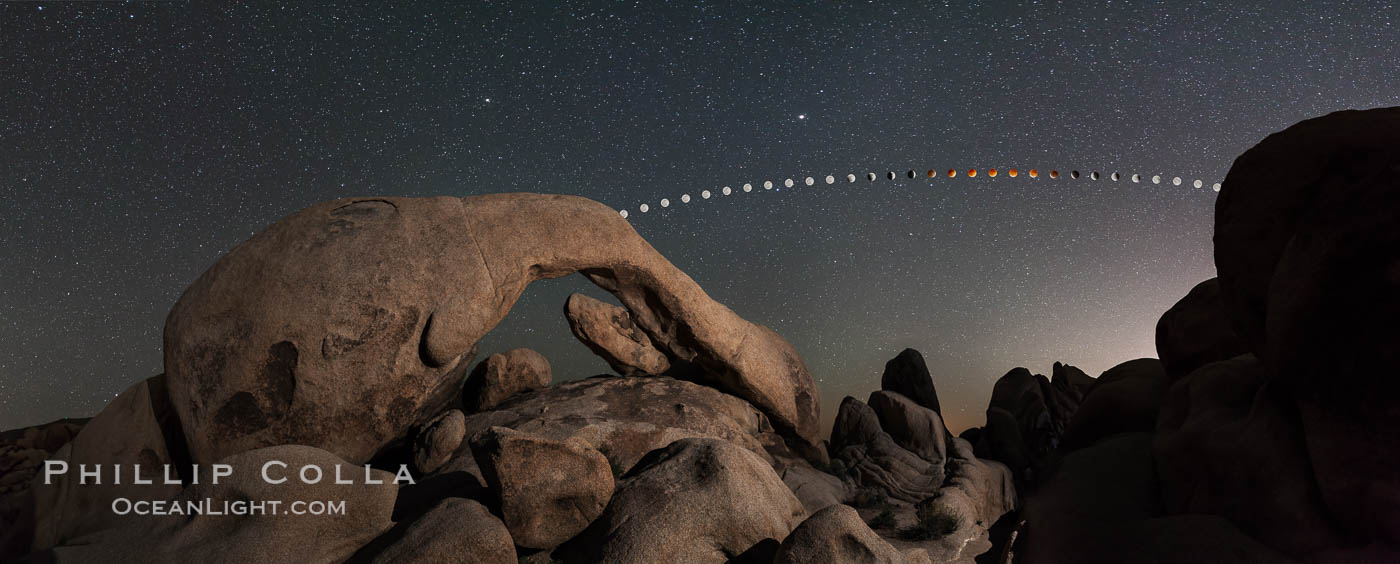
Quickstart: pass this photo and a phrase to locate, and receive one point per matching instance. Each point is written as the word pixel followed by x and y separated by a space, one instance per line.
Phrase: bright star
pixel 801 116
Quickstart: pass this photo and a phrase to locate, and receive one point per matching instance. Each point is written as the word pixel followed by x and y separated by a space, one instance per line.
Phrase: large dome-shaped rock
pixel 1195 332
pixel 916 428
pixel 1226 445
pixel 347 323
pixel 548 491
pixel 625 418
pixel 1125 399
pixel 1307 247
pixel 836 534
pixel 127 433
pixel 873 459
pixel 455 530
pixel 1065 392
pixel 697 500
pixel 609 332
pixel 503 375
pixel 265 535
pixel 1292 182
pixel 907 374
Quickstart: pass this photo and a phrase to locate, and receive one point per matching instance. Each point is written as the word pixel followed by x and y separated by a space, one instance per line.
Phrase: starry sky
pixel 140 141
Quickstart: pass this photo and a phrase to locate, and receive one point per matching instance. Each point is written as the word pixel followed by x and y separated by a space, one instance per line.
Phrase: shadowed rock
pixel 907 375
pixel 836 534
pixel 347 323
pixel 548 491
pixel 1124 399
pixel 1020 430
pixel 873 459
pixel 1102 507
pixel 609 332
pixel 439 440
pixel 1226 445
pixel 1195 332
pixel 1307 246
pixel 503 375
pixel 697 500
pixel 22 455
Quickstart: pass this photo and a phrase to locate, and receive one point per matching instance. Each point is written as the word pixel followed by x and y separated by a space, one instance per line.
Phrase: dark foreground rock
pixel 127 433
pixel 1307 246
pixel 438 440
pixel 1196 332
pixel 625 418
pixel 871 458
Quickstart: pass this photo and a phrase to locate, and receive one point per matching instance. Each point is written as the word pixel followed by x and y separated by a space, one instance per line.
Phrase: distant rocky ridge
pixel 1268 430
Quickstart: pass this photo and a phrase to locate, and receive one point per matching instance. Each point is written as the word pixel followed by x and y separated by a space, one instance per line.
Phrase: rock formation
pixel 548 491
pixel 376 304
pixel 125 435
pixel 455 530
pixel 1195 332
pixel 907 375
pixel 836 534
pixel 1307 248
pixel 916 428
pixel 697 500
pixel 625 418
pixel 873 459
pixel 503 375
pixel 609 332
pixel 1222 420
pixel 438 440
pixel 22 456
pixel 1124 399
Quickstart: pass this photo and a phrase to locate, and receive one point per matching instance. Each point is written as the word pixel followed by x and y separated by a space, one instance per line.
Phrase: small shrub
pixel 884 520
pixel 934 522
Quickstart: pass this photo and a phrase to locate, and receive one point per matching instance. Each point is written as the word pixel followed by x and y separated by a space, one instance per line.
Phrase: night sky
pixel 138 142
